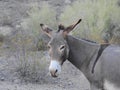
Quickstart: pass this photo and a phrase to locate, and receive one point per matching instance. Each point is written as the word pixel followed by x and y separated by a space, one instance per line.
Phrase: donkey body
pixel 83 54
pixel 106 74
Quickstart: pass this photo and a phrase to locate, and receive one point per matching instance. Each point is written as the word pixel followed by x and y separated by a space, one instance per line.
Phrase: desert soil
pixel 70 79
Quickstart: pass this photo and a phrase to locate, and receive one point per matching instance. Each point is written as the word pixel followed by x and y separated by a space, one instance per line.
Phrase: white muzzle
pixel 55 68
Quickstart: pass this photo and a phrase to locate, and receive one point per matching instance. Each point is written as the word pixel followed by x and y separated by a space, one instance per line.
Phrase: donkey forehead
pixel 57 39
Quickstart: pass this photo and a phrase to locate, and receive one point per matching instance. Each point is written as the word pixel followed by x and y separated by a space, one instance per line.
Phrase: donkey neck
pixel 81 52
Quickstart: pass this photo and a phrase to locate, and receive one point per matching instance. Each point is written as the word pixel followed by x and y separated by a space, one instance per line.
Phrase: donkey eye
pixel 48 46
pixel 62 47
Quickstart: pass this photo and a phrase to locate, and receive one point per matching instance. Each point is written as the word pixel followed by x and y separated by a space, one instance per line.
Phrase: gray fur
pixel 82 54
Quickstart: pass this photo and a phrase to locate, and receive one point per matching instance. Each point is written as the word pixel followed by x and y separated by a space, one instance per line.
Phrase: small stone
pixel 67 1
pixel 70 83
pixel 2 79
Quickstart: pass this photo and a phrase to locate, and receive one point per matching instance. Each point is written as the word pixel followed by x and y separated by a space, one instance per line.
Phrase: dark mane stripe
pixel 102 48
pixel 89 40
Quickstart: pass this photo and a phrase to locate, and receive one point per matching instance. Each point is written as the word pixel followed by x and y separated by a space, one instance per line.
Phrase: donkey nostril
pixel 56 71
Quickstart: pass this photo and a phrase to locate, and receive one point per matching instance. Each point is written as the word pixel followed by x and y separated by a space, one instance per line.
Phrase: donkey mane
pixel 89 40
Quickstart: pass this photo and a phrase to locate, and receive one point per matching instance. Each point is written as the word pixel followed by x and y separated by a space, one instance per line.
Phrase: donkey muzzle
pixel 54 68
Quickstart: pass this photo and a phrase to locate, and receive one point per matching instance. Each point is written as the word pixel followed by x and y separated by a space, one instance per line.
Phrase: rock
pixel 6 30
pixel 2 79
pixel 70 83
pixel 68 1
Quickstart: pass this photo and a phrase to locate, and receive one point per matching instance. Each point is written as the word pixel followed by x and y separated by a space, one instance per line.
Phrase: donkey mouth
pixel 54 74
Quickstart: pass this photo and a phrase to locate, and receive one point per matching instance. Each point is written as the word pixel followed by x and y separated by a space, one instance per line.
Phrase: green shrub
pixel 32 67
pixel 44 15
pixel 97 17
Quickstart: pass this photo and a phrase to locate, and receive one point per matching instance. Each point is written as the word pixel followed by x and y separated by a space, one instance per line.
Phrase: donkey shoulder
pixel 112 50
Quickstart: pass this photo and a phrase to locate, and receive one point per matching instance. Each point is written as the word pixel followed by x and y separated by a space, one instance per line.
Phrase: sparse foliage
pixel 31 65
pixel 97 18
pixel 36 16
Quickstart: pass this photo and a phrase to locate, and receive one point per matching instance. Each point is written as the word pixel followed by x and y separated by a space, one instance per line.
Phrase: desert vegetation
pixel 26 44
pixel 100 19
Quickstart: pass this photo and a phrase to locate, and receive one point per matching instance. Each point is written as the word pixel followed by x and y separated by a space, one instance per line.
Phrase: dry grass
pixel 37 15
pixel 97 16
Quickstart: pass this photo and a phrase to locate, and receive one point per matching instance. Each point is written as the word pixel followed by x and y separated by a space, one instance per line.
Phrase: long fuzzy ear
pixel 46 30
pixel 71 27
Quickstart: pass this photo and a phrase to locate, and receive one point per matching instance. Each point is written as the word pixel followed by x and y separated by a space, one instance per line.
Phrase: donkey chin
pixel 54 68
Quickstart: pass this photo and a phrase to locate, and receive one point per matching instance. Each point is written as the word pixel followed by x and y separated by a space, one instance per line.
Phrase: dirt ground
pixel 70 79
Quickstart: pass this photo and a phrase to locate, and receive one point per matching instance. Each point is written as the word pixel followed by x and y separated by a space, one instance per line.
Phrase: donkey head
pixel 58 47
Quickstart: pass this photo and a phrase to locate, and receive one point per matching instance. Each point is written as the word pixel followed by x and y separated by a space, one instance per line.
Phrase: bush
pixel 19 62
pixel 97 18
pixel 44 15
pixel 32 67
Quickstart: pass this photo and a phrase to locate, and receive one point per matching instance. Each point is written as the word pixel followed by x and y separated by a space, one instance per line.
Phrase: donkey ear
pixel 61 27
pixel 46 30
pixel 71 27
